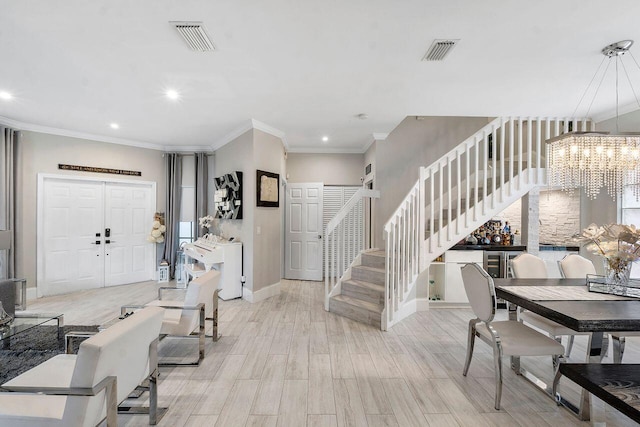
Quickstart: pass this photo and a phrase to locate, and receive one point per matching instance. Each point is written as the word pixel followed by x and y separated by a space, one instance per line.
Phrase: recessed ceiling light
pixel 114 126
pixel 325 138
pixel 6 96
pixel 172 94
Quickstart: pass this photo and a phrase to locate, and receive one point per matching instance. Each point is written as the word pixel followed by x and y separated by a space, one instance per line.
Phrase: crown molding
pixel 18 125
pixel 188 149
pixel 247 126
pixel 271 131
pixel 327 150
pixel 378 136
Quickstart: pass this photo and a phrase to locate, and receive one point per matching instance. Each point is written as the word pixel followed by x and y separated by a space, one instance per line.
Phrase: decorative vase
pixel 617 271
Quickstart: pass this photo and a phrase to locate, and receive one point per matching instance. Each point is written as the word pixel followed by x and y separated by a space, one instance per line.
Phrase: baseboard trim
pixel 262 294
pixel 422 304
pixel 32 293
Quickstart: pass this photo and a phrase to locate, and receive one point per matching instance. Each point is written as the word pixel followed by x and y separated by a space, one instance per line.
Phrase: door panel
pixel 127 216
pixel 303 225
pixel 72 216
pixel 73 212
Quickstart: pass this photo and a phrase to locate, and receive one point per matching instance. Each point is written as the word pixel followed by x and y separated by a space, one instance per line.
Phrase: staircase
pixel 453 196
pixel 362 296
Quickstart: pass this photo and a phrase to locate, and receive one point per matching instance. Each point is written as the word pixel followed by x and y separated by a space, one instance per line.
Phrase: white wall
pixel 267 255
pixel 238 156
pixel 330 169
pixel 41 153
pixel 559 216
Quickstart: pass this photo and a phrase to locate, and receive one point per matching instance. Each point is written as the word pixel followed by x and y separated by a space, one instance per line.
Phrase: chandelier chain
pixel 588 87
pixel 633 89
pixel 598 88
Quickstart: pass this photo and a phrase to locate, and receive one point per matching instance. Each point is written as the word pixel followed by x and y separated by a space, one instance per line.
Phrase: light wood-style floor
pixel 287 362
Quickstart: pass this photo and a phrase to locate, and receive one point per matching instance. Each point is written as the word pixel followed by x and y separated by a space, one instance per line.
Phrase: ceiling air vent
pixel 194 34
pixel 439 49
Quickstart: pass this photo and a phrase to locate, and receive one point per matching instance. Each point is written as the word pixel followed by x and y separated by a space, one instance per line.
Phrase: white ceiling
pixel 303 68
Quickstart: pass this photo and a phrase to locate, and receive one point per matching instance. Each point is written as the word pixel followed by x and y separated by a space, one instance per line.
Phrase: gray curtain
pixel 202 176
pixel 8 161
pixel 173 180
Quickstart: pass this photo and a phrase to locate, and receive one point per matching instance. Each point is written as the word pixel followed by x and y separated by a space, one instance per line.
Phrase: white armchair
pixel 187 318
pixel 83 389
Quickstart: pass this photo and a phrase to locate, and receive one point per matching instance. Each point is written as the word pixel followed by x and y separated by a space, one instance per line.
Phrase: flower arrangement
pixel 206 221
pixel 618 244
pixel 157 229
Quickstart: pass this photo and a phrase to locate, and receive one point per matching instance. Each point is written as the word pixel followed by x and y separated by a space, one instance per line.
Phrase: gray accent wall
pixel 262 254
pixel 41 153
pixel 413 143
pixel 328 168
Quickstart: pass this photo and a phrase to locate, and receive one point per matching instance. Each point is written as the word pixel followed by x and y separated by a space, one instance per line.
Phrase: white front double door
pixel 93 234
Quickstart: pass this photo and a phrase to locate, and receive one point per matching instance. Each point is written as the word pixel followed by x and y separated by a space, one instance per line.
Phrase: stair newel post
pixel 494 166
pixel 538 149
pixel 485 170
pixel 449 188
pixel 476 189
pixel 529 150
pixel 393 282
pixel 467 175
pixel 431 214
pixel 520 153
pixel 326 269
pixel 511 156
pixel 386 312
pixel 440 209
pixel 459 190
pixel 502 143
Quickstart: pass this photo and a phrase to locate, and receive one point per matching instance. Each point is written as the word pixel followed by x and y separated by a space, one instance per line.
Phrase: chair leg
pixel 556 380
pixel 497 361
pixel 471 338
pixel 618 348
pixel 569 346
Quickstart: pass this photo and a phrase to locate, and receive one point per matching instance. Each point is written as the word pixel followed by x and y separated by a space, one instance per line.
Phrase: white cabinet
pixel 448 286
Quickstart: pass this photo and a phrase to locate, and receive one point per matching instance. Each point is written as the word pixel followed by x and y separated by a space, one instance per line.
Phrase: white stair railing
pixel 340 246
pixel 459 192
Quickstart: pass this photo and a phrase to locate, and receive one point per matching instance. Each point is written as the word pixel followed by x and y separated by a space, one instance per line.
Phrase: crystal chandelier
pixel 594 160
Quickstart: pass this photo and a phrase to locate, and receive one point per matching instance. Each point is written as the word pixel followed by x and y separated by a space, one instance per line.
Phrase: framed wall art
pixel 268 189
pixel 228 196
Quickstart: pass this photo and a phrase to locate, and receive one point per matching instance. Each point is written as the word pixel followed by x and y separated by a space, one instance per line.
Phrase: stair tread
pixel 379 253
pixel 366 267
pixel 369 306
pixel 369 285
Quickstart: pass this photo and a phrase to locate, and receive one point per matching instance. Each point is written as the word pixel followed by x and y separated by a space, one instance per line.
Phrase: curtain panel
pixel 202 176
pixel 8 161
pixel 173 180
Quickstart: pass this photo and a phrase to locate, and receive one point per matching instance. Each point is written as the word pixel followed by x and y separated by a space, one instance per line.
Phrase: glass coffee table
pixel 25 321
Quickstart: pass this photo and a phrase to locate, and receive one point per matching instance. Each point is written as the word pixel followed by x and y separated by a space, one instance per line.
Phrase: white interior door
pixel 72 216
pixel 128 255
pixel 74 250
pixel 303 236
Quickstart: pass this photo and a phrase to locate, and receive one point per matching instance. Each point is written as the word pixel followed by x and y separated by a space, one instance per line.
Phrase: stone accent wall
pixel 559 216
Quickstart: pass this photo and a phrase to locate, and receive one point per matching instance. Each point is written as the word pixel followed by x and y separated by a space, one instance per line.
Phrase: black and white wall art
pixel 228 196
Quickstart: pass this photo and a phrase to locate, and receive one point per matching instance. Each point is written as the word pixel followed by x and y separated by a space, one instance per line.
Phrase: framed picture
pixel 268 189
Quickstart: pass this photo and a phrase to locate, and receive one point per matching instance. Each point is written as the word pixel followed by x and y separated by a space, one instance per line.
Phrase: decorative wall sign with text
pixel 98 170
pixel 228 196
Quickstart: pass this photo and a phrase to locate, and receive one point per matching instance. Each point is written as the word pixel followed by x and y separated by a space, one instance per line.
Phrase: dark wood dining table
pixel 569 303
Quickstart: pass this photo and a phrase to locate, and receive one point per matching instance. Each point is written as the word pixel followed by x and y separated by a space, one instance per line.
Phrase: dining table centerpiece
pixel 618 244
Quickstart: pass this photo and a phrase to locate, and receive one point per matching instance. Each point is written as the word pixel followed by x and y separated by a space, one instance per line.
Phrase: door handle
pixel 109 241
pixel 97 242
pixel 319 236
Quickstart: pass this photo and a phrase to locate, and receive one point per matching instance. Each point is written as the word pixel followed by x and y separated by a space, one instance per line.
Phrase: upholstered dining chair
pixel 574 266
pixel 528 266
pixel 506 338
